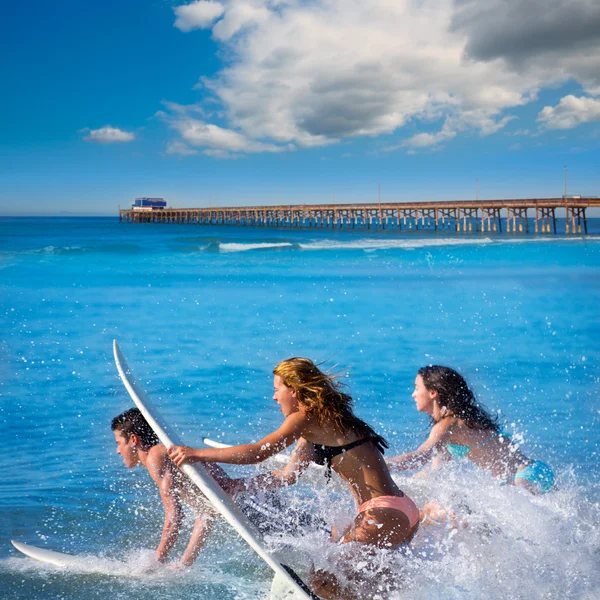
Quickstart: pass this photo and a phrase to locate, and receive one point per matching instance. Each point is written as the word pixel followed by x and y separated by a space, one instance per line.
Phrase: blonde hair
pixel 321 394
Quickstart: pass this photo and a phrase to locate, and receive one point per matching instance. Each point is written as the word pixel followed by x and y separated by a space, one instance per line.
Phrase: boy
pixel 138 444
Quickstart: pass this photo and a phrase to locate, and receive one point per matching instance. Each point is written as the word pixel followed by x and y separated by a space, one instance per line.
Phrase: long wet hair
pixel 457 397
pixel 321 394
pixel 132 421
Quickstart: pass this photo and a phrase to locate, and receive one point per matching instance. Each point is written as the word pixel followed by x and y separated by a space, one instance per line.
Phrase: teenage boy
pixel 138 444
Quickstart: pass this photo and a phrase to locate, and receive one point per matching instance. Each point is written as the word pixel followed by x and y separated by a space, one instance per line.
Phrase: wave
pixel 236 247
pixel 368 244
pixel 79 250
pixel 404 244
pixel 364 244
pixel 587 238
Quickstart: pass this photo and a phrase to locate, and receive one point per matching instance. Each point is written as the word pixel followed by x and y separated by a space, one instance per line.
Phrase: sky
pixel 245 102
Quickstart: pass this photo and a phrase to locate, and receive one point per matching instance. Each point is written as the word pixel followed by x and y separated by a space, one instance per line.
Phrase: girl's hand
pixel 184 454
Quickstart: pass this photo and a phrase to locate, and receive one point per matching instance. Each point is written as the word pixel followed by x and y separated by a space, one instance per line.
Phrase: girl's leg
pixel 379 527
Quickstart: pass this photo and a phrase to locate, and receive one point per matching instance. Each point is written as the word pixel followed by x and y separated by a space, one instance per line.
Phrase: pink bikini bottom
pixel 402 503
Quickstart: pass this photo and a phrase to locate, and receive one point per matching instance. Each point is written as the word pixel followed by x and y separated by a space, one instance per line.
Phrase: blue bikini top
pixel 460 451
pixel 457 450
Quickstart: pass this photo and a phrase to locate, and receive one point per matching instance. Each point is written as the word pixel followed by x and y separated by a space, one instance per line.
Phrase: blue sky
pixel 262 101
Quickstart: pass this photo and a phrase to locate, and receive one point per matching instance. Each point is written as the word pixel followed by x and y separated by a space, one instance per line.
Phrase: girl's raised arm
pixel 246 454
pixel 288 475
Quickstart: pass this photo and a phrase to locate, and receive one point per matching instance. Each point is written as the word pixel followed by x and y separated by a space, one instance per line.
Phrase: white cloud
pixel 199 133
pixel 424 140
pixel 213 140
pixel 222 154
pixel 240 15
pixel 107 135
pixel 310 74
pixel 177 147
pixel 197 15
pixel 570 112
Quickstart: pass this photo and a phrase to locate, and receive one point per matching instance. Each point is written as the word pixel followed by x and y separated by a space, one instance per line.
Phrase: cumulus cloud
pixel 570 112
pixel 240 15
pixel 107 135
pixel 310 74
pixel 548 40
pixel 424 140
pixel 212 139
pixel 518 30
pixel 197 15
pixel 178 147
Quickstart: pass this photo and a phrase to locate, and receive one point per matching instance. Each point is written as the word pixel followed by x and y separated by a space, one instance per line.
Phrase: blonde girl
pixel 318 417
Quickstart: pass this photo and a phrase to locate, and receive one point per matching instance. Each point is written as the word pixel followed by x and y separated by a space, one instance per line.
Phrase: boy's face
pixel 126 448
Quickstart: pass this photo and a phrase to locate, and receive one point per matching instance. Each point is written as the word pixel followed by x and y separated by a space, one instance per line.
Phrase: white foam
pixel 232 247
pixel 514 545
pixel 370 244
pixel 520 240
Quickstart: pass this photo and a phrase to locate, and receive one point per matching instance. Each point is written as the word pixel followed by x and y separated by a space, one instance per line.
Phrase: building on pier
pixel 534 215
pixel 149 204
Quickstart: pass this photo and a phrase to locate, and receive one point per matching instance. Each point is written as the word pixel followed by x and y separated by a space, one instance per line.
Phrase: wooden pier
pixel 536 215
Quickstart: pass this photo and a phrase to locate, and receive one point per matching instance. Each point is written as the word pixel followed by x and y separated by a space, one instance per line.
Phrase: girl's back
pixel 488 448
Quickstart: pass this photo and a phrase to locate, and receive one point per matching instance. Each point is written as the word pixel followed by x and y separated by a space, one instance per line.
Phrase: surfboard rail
pixel 58 559
pixel 207 485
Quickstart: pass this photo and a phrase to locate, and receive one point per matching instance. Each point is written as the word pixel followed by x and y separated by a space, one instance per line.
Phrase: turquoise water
pixel 204 313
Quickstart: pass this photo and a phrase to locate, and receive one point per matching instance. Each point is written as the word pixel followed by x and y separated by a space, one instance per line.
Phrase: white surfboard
pixel 47 556
pixel 214 444
pixel 286 580
pixel 279 459
pixel 87 564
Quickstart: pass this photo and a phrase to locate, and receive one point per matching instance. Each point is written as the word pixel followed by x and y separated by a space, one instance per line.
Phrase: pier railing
pixel 533 215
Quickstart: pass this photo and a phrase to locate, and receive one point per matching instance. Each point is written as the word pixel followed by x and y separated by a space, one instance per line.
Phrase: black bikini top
pixel 323 455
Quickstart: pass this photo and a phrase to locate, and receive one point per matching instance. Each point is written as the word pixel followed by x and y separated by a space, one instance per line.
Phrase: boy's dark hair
pixel 132 421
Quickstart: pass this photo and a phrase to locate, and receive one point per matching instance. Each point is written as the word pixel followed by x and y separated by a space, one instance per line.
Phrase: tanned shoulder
pixel 158 461
pixel 444 427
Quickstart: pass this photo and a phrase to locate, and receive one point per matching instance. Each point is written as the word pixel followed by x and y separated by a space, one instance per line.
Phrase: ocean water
pixel 203 314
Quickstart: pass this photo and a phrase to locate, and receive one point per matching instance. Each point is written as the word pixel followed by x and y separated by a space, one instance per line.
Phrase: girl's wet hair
pixel 321 394
pixel 456 397
pixel 132 421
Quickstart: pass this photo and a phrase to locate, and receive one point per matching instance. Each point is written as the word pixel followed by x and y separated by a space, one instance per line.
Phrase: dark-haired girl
pixel 463 428
pixel 319 416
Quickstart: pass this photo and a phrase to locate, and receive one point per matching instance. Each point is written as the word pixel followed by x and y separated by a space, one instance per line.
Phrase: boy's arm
pixel 161 473
pixel 202 527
